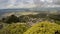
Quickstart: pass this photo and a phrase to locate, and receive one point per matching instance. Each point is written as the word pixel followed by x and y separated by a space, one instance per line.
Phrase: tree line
pixel 25 18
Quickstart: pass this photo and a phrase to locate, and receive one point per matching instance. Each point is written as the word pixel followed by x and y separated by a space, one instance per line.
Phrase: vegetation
pixel 15 28
pixel 42 23
pixel 23 18
pixel 45 27
pixel 26 18
pixel 10 19
pixel 55 17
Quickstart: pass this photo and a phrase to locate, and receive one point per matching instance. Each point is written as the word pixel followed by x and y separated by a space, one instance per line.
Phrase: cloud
pixel 20 6
pixel 47 3
pixel 17 4
pixel 28 3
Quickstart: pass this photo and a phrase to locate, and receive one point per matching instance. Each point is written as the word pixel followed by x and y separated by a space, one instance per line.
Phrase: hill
pixel 45 27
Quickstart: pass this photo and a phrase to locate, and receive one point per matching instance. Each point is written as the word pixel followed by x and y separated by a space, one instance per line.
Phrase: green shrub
pixel 17 28
pixel 45 27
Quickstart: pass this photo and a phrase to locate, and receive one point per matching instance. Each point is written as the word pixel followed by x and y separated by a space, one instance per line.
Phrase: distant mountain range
pixel 30 9
pixel 3 11
pixel 47 9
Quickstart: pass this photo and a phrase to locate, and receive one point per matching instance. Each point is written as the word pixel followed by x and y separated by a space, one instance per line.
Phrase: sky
pixel 29 3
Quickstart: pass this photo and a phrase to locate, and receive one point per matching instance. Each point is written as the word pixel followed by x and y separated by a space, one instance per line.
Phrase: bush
pixel 17 28
pixel 10 19
pixel 44 28
pixel 23 18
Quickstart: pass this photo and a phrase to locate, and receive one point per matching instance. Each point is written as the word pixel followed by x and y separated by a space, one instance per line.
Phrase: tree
pixel 3 19
pixel 11 19
pixel 55 17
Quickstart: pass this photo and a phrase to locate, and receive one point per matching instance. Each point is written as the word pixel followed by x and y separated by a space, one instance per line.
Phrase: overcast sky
pixel 28 3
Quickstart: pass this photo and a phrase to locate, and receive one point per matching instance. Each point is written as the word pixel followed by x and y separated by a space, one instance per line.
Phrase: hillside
pixel 15 28
pixel 44 27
